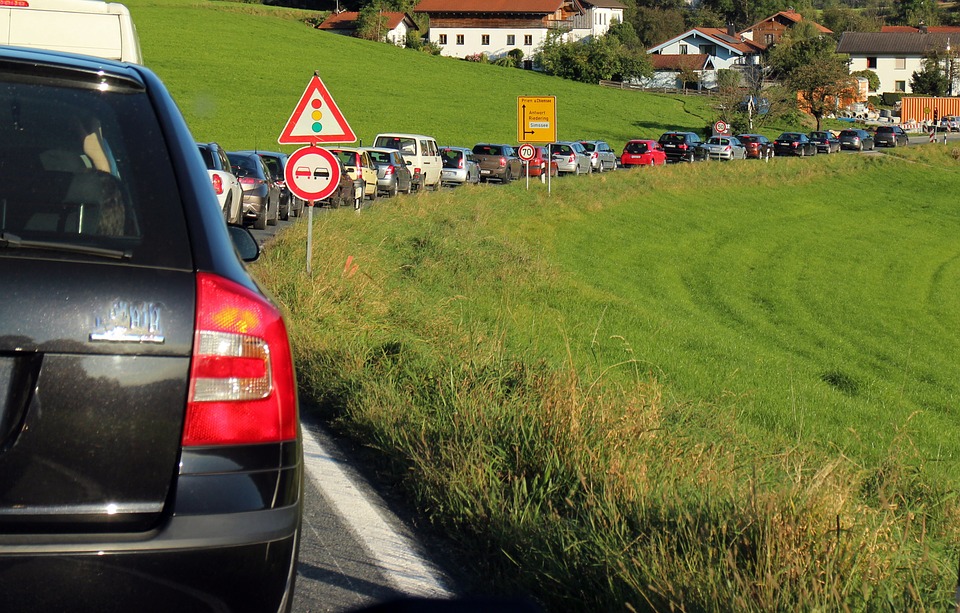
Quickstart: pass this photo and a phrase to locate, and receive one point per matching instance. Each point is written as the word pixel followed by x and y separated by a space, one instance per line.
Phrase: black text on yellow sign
pixel 536 119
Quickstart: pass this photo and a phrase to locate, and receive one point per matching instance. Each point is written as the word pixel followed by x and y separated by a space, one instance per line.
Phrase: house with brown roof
pixel 770 30
pixel 463 28
pixel 396 25
pixel 894 56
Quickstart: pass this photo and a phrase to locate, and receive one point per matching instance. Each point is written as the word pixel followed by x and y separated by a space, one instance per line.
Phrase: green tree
pixel 807 63
pixel 592 60
pixel 372 23
pixel 872 77
pixel 932 79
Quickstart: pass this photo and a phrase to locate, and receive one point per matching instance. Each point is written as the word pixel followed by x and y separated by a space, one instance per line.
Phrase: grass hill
pixel 702 387
pixel 237 71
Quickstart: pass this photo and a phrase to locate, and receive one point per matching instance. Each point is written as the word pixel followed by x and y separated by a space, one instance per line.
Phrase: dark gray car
pixel 150 455
pixel 859 140
pixel 261 194
pixel 890 136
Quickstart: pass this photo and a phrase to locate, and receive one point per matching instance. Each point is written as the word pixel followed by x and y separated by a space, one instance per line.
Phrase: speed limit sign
pixel 526 152
pixel 720 127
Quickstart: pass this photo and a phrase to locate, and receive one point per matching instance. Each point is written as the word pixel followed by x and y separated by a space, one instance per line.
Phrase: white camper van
pixel 90 27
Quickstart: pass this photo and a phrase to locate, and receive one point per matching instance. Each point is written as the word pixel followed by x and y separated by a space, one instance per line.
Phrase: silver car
pixel 393 175
pixel 602 155
pixel 571 158
pixel 724 148
pixel 459 166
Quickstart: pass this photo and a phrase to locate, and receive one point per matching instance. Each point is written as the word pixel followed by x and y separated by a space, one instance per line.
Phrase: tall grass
pixel 636 393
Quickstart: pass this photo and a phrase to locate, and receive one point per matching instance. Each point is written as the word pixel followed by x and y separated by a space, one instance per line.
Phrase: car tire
pixel 600 167
pixel 393 191
pixel 272 221
pixel 507 177
pixel 374 196
pixel 260 223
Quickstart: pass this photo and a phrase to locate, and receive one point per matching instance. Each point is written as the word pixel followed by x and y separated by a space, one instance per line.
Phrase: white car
pixel 225 184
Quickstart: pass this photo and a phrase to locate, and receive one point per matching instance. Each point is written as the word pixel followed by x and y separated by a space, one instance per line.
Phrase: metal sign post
pixel 309 236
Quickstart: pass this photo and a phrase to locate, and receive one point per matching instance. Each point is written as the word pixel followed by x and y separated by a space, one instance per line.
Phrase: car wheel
pixel 272 221
pixel 374 196
pixel 600 167
pixel 393 191
pixel 507 177
pixel 260 223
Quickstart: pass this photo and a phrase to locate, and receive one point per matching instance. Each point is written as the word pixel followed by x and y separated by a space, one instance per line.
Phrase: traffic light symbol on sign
pixel 316 119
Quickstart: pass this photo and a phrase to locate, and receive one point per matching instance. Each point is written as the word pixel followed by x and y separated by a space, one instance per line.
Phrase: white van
pixel 420 152
pixel 91 27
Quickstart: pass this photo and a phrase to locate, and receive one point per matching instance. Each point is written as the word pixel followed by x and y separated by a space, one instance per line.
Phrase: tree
pixel 593 60
pixel 872 77
pixel 931 79
pixel 372 23
pixel 806 62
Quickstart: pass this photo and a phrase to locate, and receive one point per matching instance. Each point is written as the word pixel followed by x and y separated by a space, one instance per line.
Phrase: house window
pixel 769 39
pixel 485 39
pixel 683 49
pixel 901 63
pixel 872 62
pixel 459 39
pixel 443 39
pixel 528 39
pixel 900 86
pixel 709 49
pixel 511 39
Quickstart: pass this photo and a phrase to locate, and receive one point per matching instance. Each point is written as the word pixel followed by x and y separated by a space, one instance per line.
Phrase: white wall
pixel 888 72
pixel 498 47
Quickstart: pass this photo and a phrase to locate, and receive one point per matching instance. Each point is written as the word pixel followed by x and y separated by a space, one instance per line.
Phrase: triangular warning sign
pixel 316 119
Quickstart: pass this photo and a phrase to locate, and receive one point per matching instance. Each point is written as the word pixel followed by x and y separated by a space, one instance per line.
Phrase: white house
pixel 724 49
pixel 495 27
pixel 397 25
pixel 894 56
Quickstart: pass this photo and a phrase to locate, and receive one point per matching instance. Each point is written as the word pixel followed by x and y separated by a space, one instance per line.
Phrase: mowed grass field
pixel 709 388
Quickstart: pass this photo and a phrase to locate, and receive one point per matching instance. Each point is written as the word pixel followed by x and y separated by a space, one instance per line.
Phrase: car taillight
pixel 242 387
pixel 217 184
pixel 683 146
pixel 573 158
pixel 503 162
pixel 249 181
pixel 462 164
pixel 416 171
pixel 389 170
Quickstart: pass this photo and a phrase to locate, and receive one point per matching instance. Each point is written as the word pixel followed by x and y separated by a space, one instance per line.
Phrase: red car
pixel 758 146
pixel 642 153
pixel 539 164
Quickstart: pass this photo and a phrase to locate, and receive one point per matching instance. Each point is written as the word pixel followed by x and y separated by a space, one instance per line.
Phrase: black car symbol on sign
pixel 321 173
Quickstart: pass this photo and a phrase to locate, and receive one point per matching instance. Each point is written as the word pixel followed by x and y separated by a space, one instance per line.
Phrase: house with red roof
pixel 396 25
pixel 464 28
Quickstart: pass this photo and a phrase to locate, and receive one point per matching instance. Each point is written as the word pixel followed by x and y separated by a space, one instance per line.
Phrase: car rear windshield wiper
pixel 12 241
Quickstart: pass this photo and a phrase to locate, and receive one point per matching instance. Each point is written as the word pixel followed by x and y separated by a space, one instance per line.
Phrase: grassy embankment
pixel 721 387
pixel 641 391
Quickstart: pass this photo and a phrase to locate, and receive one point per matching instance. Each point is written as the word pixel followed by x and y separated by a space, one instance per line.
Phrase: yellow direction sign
pixel 536 119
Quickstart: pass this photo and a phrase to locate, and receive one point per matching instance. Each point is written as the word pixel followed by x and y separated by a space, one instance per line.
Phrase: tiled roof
pixel 673 61
pixel 791 16
pixel 347 20
pixel 543 7
pixel 604 4
pixel 887 43
pixel 930 29
pixel 744 45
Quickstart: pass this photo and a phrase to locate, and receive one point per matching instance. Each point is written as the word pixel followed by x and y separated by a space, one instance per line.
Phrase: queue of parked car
pixel 251 188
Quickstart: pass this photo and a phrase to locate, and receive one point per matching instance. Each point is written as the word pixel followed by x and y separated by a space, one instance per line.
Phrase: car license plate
pixel 484 172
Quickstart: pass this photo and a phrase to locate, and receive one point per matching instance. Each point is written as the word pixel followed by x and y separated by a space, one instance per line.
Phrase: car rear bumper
pixel 200 563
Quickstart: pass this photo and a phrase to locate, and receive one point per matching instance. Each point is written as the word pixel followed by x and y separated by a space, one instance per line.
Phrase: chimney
pixel 923 28
pixel 731 30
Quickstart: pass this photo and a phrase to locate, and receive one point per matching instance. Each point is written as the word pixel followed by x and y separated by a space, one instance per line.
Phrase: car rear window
pixel 849 133
pixel 380 157
pixel 84 166
pixel 451 158
pixel 636 148
pixel 589 146
pixel 885 130
pixel 247 162
pixel 789 136
pixel 748 139
pixel 488 150
pixel 672 139
pixel 405 145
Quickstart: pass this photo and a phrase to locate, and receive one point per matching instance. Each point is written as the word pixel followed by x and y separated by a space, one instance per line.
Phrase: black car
pixel 794 143
pixel 682 146
pixel 826 141
pixel 277 163
pixel 859 140
pixel 261 194
pixel 150 454
pixel 890 136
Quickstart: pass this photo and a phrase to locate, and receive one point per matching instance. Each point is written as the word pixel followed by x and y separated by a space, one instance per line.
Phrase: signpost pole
pixel 310 237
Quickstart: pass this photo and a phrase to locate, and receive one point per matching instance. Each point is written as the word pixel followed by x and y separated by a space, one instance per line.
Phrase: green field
pixel 712 387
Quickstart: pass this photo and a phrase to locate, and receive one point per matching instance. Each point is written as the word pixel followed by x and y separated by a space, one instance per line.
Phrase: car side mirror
pixel 243 240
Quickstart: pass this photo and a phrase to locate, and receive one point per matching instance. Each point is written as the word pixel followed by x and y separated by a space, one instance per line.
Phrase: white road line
pixel 395 553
